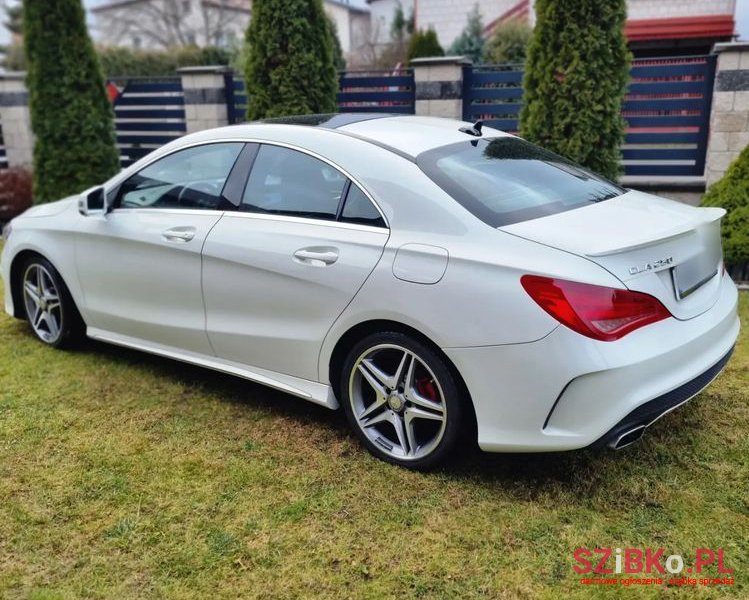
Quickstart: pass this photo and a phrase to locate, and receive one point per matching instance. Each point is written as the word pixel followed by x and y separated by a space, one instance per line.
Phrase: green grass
pixel 124 476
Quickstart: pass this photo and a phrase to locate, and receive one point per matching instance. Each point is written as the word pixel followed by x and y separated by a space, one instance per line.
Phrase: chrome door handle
pixel 317 257
pixel 179 234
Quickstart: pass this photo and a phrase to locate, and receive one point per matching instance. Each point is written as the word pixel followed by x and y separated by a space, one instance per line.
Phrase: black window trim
pixel 344 193
pixel 236 182
pixel 117 189
pixel 125 175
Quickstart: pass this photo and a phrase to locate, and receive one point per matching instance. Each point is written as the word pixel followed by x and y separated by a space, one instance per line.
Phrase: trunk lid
pixel 660 247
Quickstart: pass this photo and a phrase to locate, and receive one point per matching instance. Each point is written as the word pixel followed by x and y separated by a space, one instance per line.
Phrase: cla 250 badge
pixel 652 266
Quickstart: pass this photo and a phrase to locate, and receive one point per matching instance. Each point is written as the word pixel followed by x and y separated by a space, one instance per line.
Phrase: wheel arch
pixel 16 267
pixel 16 272
pixel 355 333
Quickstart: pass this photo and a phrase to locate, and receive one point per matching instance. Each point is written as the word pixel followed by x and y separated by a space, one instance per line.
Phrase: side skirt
pixel 308 390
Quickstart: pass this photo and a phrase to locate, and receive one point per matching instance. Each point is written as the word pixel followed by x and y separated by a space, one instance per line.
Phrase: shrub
pixel 289 64
pixel 471 41
pixel 71 116
pixel 117 62
pixel 509 43
pixel 15 192
pixel 15 58
pixel 575 77
pixel 732 193
pixel 424 44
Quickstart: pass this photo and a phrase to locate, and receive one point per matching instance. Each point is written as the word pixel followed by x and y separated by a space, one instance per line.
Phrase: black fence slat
pixel 668 103
pixel 148 114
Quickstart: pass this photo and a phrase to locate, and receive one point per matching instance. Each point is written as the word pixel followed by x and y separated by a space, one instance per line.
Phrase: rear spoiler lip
pixel 710 215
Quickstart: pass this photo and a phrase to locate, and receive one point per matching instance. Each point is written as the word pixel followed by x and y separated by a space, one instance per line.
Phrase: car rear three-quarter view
pixel 419 273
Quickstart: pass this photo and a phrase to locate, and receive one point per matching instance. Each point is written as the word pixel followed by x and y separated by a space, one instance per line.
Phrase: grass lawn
pixel 124 476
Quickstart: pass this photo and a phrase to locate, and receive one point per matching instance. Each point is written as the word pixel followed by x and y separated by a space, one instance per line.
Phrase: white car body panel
pixel 166 305
pixel 233 298
pixel 267 308
pixel 629 234
pixel 307 390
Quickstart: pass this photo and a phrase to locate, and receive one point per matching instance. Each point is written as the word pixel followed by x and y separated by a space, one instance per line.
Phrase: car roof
pixel 413 135
pixel 405 135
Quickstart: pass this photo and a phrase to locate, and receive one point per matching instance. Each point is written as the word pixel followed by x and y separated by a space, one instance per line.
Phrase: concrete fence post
pixel 206 96
pixel 729 118
pixel 15 119
pixel 439 86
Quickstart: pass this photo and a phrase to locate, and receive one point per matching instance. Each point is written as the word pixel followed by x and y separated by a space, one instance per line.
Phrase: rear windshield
pixel 507 180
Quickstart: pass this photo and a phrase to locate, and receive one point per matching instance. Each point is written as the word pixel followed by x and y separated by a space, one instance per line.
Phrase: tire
pixel 390 378
pixel 48 305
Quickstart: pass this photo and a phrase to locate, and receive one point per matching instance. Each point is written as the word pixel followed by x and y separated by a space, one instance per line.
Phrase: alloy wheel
pixel 398 402
pixel 43 305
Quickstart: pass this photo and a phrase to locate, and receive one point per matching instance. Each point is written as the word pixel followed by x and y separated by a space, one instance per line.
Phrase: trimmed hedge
pixel 575 77
pixel 732 193
pixel 289 68
pixel 71 116
pixel 119 62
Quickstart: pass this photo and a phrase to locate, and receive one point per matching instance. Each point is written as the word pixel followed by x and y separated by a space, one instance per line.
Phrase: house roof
pixel 345 4
pixel 704 26
pixel 521 11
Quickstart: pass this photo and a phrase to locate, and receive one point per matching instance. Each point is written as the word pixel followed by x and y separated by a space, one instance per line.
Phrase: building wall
pixel 146 24
pixel 661 9
pixel 381 15
pixel 143 25
pixel 448 17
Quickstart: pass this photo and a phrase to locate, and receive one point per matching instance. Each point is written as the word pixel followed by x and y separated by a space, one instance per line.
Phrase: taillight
pixel 601 313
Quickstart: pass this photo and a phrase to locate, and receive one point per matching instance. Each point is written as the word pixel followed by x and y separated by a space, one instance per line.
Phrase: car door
pixel 281 269
pixel 140 265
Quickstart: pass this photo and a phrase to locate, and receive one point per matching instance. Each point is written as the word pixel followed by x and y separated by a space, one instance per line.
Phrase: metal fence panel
pixel 667 110
pixel 148 113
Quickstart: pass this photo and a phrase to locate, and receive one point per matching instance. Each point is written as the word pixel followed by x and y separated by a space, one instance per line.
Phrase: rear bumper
pixel 566 391
pixel 647 414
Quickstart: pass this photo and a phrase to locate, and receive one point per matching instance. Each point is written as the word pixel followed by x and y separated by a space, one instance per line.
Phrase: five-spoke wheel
pixel 42 301
pixel 402 399
pixel 49 308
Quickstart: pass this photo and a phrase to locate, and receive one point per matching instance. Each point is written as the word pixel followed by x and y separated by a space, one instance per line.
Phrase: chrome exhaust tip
pixel 627 438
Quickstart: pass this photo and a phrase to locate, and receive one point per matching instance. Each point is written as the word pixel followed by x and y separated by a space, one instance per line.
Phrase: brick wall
pixel 660 9
pixel 729 122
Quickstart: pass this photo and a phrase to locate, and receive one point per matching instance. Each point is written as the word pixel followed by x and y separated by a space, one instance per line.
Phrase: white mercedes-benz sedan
pixel 427 275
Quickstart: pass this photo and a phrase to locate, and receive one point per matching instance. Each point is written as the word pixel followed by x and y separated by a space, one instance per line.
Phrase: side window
pixel 191 178
pixel 288 182
pixel 359 209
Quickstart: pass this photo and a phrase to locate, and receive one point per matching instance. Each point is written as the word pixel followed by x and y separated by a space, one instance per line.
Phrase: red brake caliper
pixel 426 388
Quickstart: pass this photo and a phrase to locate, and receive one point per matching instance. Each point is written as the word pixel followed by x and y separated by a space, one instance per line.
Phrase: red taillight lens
pixel 601 313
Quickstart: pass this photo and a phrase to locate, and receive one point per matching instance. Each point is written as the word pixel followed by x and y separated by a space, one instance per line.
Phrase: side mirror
pixel 92 201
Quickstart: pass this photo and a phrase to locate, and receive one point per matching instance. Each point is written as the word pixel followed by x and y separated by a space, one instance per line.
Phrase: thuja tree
pixel 289 59
pixel 71 116
pixel 471 41
pixel 424 44
pixel 732 193
pixel 576 73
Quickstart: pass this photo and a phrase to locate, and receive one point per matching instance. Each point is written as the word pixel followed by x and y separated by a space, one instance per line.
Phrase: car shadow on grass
pixel 526 475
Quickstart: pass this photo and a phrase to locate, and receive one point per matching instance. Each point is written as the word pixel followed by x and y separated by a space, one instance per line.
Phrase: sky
pixel 742 16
